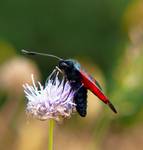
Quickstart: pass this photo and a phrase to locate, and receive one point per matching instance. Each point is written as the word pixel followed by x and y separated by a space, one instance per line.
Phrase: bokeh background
pixel 106 37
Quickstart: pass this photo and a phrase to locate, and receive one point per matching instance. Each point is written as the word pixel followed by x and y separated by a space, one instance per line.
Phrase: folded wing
pixel 95 88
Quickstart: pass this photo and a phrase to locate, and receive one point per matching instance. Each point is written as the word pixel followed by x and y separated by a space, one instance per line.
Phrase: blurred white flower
pixel 15 72
pixel 54 101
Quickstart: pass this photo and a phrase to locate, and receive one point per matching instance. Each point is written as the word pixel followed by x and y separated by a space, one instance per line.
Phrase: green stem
pixel 51 128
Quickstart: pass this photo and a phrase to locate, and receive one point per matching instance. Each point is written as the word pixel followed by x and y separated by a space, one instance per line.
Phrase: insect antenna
pixel 42 54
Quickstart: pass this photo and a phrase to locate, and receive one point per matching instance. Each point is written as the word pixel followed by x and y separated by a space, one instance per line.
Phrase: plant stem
pixel 51 128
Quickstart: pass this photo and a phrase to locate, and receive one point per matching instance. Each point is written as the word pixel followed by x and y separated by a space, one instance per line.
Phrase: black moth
pixel 80 81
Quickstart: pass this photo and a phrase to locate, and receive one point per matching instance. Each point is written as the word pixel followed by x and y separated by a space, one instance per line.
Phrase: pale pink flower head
pixel 55 100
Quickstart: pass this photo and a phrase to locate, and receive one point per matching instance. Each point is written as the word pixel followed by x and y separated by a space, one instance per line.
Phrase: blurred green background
pixel 106 37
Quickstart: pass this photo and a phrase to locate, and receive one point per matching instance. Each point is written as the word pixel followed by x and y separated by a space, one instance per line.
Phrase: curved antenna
pixel 42 54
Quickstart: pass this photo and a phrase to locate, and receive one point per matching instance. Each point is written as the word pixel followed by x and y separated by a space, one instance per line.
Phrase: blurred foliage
pixel 6 51
pixel 127 89
pixel 105 36
pixel 87 28
pixel 2 98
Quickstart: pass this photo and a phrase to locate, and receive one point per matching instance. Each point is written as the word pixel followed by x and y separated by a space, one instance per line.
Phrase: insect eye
pixel 63 65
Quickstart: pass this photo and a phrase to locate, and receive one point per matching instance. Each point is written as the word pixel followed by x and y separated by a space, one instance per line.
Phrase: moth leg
pixel 59 70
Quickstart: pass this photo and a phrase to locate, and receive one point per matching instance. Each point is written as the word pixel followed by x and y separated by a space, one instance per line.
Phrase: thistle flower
pixel 54 101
